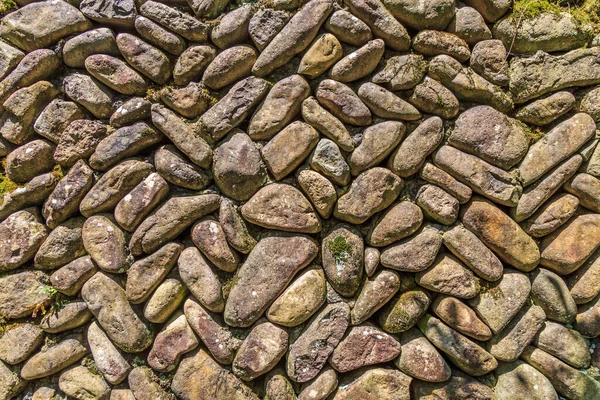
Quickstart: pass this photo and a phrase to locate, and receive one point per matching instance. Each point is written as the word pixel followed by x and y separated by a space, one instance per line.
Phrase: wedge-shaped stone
pixel 235 227
pixel 471 251
pixel 39 25
pixel 567 249
pixel 564 343
pixel 34 193
pixel 176 169
pixel 319 190
pixel 200 277
pixel 172 218
pixel 501 234
pixel 364 345
pixel 115 74
pixel 398 222
pixel 325 51
pixel 323 121
pixel 70 278
pixel 281 206
pixel 269 268
pixel 343 103
pixel 500 301
pixel 584 283
pixel 587 189
pixel 542 73
pixel 289 148
pixel 106 244
pixel 441 178
pixel 108 302
pixel 460 317
pixel 145 58
pixel 374 293
pixel 508 344
pixel 448 276
pixel 420 359
pixel 294 38
pixel 378 142
pixel 414 253
pixel 555 146
pixel 309 353
pixel 281 104
pixel 404 311
pixel 200 377
pixel 466 354
pixel 372 191
pixel 485 179
pixel 146 274
pixel 233 108
pixel 359 63
pixel 568 381
pixel 261 350
pixel 96 97
pixel 109 361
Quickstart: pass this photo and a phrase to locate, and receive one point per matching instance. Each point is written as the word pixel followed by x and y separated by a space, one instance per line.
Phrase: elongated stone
pixel 460 317
pixel 551 216
pixel 374 294
pixel 420 359
pixel 414 253
pixel 550 292
pixel 501 234
pixel 485 179
pixel 508 344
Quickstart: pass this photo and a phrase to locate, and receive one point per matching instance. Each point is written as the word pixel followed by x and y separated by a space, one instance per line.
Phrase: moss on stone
pixel 7 6
pixel 340 248
pixel 6 185
pixel 588 11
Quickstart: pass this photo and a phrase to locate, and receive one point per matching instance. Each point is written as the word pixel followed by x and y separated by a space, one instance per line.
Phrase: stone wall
pixel 287 199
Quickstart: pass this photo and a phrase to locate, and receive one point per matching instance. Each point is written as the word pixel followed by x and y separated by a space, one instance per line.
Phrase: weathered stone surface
pixel 30 160
pixel 300 300
pixel 549 32
pixel 145 58
pixel 54 359
pixel 448 276
pixel 508 344
pixel 460 317
pixel 109 361
pixel 309 353
pixel 398 222
pixel 288 149
pixel 167 297
pixel 586 188
pixel 229 66
pixel 144 385
pixel 382 23
pixel 364 345
pixel 506 147
pixel 233 28
pixel 385 104
pixel 555 146
pixel 89 93
pixel 343 103
pixel 378 142
pixel 235 227
pixel 537 194
pixel 106 244
pixel 473 253
pixel 326 123
pixel 401 72
pixel 176 339
pixel 567 381
pixel 19 341
pixel 566 249
pixel 437 204
pixel 466 354
pixel 159 36
pixel 21 235
pixel 564 343
pixel 80 383
pixel 175 168
pixel 22 293
pixel 209 237
pixel 547 109
pixel 269 268
pixel 371 192
pixel 542 73
pixel 120 13
pixel 501 234
pixel 34 193
pixel 551 216
pixel 374 293
pixel 295 36
pixel 432 43
pixel 439 177
pixel 483 178
pixel 500 301
pixel 469 25
pixel 97 41
pixel 70 316
pixel 421 15
pixel 10 58
pixel 359 63
pixel 70 278
pixel 411 154
pixel 39 25
pixel 467 85
pixel 404 311
pixel 265 25
pixel 586 321
pixel 219 339
pixel 432 97
pixel 342 257
pixel 172 218
pixel 420 359
pixel 376 383
pixel 519 380
pixel 488 58
pixel 175 20
pixel 199 376
pixel 414 253
pixel 233 108
pixel 325 51
pixel 108 302
pixel 189 101
pixel 321 386
pixel 551 293
pixel 319 190
pixel 200 278
pixel 131 111
pixel 115 74
pixel 261 350
pixel 78 140
pixel 55 118
pixel 191 63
